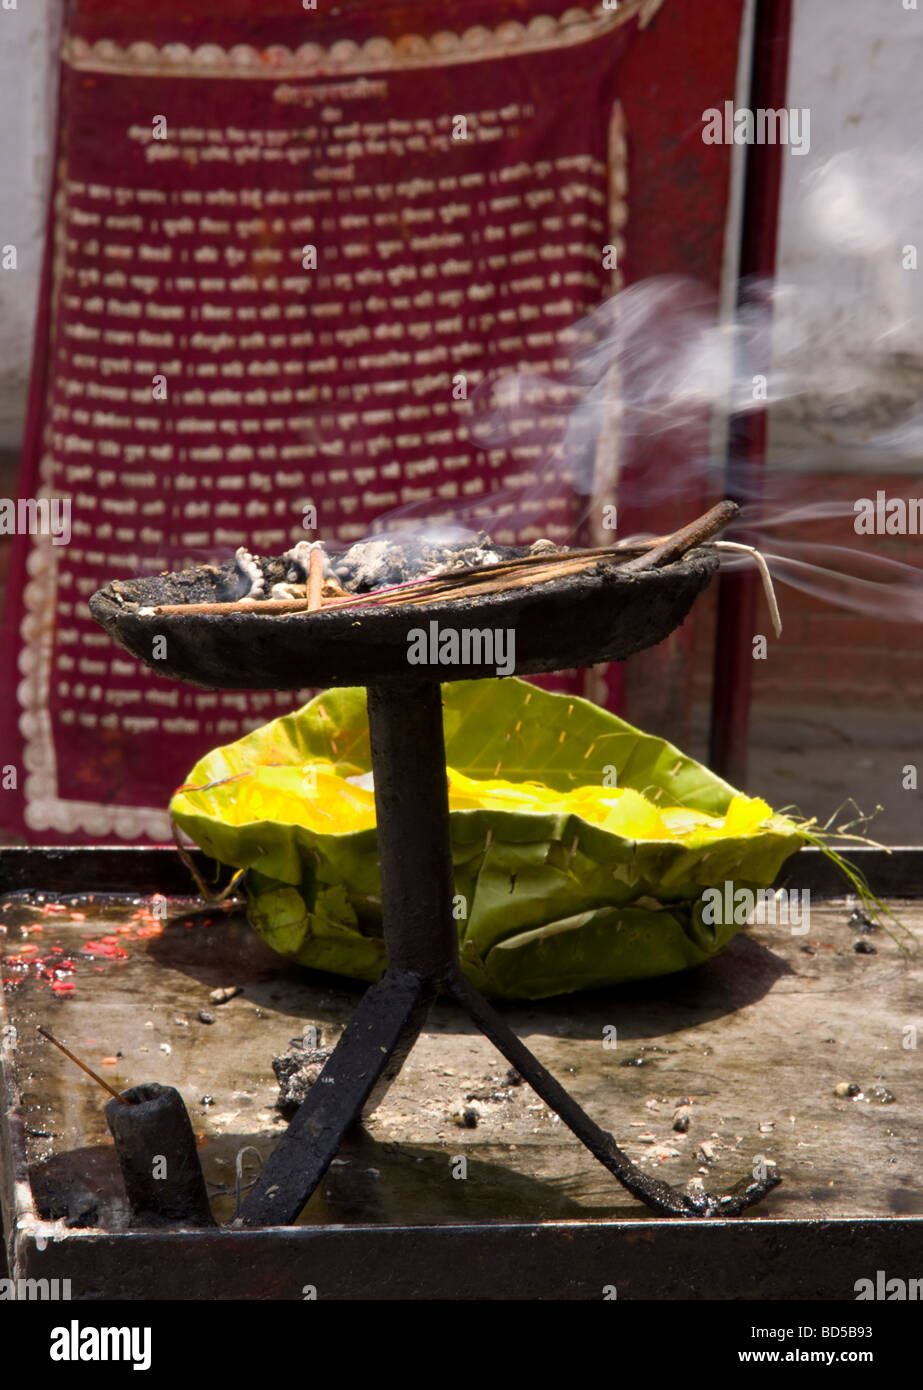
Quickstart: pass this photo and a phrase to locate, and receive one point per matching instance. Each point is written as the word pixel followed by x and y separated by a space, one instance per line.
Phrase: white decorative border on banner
pixel 507 39
pixel 46 808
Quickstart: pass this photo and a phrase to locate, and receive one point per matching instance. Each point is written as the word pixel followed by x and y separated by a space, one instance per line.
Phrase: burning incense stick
pixel 766 577
pixel 83 1066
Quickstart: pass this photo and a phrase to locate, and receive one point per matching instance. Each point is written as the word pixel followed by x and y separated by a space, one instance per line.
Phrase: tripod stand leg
pixel 408 758
pixel 368 1056
pixel 659 1196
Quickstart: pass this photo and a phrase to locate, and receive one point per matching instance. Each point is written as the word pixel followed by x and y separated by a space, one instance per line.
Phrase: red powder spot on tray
pixel 54 909
pixel 106 947
pixel 56 950
pixel 27 950
pixel 155 930
pixel 63 987
pixel 78 916
pixel 125 930
pixel 109 1061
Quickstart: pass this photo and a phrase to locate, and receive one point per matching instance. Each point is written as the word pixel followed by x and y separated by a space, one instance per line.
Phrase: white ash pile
pixel 384 561
pixel 378 563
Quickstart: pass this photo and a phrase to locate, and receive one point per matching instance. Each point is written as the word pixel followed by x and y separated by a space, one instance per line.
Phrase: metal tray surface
pixel 757 1040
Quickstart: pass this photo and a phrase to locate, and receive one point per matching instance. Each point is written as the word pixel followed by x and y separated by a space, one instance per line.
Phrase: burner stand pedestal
pixel 411 800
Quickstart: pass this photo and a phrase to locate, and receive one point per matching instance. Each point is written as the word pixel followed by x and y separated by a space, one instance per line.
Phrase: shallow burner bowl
pixel 601 614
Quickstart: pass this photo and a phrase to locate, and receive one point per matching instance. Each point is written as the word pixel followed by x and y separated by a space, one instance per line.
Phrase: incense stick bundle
pixel 457 582
pixel 493 583
pixel 470 582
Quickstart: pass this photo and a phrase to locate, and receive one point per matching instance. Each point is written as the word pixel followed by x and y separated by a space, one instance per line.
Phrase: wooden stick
pixel 687 537
pixel 315 579
pixel 83 1066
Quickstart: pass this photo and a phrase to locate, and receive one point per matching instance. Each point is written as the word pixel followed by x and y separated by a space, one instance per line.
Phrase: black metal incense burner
pixel 604 614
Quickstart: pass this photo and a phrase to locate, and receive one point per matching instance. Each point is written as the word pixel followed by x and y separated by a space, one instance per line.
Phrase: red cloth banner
pixel 277 245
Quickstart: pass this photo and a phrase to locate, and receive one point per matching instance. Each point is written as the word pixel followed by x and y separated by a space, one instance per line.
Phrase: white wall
pixel 848 209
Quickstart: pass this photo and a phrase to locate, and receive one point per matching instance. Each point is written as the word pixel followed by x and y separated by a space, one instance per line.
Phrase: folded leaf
pixel 581 846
